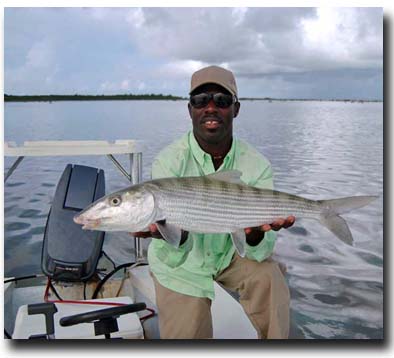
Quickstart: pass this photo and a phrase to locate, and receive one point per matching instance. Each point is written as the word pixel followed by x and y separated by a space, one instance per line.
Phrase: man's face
pixel 212 124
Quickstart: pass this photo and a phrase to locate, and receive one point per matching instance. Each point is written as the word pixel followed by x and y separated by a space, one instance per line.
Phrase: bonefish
pixel 215 203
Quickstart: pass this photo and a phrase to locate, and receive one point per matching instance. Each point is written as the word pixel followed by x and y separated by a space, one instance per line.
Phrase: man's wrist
pixel 255 237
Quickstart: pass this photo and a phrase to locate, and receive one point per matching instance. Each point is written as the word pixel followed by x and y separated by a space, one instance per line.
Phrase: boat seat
pixel 28 325
pixel 229 320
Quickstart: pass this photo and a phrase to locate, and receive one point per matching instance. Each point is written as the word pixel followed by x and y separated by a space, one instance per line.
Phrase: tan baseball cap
pixel 214 74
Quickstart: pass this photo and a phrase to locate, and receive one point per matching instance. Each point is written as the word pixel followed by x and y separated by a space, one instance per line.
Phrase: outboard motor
pixel 68 252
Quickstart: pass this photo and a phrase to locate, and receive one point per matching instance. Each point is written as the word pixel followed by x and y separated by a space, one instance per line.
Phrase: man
pixel 184 276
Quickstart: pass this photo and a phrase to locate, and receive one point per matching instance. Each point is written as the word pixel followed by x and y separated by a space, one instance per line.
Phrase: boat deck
pixel 229 320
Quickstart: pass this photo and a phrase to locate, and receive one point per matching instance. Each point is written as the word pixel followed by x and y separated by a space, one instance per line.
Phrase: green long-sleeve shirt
pixel 190 269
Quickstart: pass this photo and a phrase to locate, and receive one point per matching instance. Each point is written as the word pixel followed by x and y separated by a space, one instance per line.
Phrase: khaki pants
pixel 264 296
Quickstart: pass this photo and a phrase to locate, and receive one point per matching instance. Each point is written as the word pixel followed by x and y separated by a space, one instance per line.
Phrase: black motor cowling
pixel 70 253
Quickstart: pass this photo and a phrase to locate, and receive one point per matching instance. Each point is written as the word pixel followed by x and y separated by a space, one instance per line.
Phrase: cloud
pixel 135 17
pixel 41 55
pixel 125 85
pixel 345 37
pixel 155 49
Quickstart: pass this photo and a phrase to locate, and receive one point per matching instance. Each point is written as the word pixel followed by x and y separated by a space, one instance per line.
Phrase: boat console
pixel 70 254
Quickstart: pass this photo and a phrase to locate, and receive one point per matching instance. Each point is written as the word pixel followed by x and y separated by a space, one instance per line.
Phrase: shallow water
pixel 317 149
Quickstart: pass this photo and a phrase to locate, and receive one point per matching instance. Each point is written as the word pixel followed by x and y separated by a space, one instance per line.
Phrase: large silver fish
pixel 216 203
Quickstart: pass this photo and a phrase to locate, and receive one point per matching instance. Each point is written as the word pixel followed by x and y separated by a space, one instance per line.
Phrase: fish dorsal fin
pixel 230 176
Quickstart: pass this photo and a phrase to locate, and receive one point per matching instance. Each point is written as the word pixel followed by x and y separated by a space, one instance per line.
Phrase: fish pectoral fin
pixel 171 233
pixel 239 240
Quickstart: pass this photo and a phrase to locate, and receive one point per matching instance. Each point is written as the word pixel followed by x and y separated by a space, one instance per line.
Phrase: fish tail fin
pixel 344 205
pixel 337 225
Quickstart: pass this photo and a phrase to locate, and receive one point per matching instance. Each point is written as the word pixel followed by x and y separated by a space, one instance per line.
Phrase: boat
pixel 110 301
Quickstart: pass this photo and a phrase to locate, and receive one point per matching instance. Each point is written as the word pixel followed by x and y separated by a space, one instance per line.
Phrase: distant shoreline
pixel 79 97
pixel 158 97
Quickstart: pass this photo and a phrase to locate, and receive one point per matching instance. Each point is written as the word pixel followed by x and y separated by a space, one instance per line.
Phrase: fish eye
pixel 115 201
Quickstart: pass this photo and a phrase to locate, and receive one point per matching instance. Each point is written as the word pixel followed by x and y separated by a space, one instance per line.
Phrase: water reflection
pixel 317 149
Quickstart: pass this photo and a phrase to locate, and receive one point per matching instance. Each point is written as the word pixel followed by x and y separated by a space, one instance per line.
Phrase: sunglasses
pixel 221 100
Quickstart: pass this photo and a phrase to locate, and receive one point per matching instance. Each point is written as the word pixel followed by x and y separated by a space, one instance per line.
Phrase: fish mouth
pixel 87 224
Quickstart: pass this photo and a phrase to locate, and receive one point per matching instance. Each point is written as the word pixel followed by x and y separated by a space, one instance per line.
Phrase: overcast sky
pixel 273 52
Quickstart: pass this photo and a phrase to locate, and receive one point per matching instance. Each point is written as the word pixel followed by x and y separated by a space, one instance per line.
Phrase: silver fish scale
pixel 202 204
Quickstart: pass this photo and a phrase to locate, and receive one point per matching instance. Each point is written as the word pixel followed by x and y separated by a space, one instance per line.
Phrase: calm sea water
pixel 317 149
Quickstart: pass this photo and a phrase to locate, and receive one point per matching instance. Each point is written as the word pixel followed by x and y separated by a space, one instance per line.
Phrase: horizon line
pixel 160 96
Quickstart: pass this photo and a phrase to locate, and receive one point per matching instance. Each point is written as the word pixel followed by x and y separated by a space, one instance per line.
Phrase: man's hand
pixel 254 235
pixel 153 232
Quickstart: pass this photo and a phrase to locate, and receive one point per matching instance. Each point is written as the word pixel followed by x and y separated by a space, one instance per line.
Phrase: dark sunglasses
pixel 221 100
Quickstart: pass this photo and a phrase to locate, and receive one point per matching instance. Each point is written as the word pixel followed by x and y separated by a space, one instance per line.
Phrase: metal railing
pixel 71 148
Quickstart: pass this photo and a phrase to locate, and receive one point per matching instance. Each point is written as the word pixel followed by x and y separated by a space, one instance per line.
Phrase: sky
pixel 300 52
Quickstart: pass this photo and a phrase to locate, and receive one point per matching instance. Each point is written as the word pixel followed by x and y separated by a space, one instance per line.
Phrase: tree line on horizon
pixel 81 97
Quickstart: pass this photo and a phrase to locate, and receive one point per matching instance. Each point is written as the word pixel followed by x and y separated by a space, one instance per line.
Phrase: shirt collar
pixel 202 156
pixel 197 152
